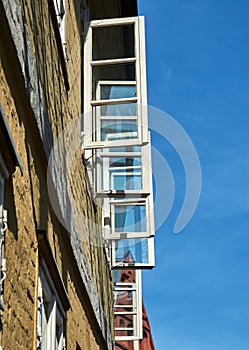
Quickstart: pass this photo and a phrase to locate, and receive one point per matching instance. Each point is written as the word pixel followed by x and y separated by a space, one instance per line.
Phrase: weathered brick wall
pixel 27 198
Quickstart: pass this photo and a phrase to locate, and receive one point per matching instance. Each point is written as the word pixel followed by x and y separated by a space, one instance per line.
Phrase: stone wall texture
pixel 38 106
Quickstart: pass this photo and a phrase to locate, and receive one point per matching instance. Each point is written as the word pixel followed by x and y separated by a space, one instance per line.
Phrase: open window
pixel 9 160
pixel 60 11
pixel 127 305
pixel 3 227
pixel 115 111
pixel 129 228
pixel 140 249
pixel 128 218
pixel 53 302
pixel 51 314
pixel 123 172
pixel 116 137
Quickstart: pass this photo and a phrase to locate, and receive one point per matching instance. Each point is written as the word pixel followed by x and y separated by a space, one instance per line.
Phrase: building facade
pixel 75 196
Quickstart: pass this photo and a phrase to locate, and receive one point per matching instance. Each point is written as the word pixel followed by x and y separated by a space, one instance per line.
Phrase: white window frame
pixel 100 118
pixel 4 174
pixel 92 142
pixel 141 90
pixel 133 196
pixel 146 169
pixel 111 234
pixel 136 265
pixel 49 329
pixel 136 306
pixel 60 11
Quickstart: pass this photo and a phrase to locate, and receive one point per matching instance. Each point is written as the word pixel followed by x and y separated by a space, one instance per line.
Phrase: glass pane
pixel 124 276
pixel 123 149
pixel 124 173
pixel 133 250
pixel 128 322
pixel 126 182
pixel 119 110
pixel 117 91
pixel 117 72
pixel 116 275
pixel 125 162
pixel 124 297
pixel 123 333
pixel 108 42
pixel 118 130
pixel 130 218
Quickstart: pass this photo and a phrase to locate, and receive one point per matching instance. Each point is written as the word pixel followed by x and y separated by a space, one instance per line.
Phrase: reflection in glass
pixel 124 174
pixel 119 110
pixel 123 149
pixel 130 218
pixel 118 130
pixel 134 249
pixel 117 91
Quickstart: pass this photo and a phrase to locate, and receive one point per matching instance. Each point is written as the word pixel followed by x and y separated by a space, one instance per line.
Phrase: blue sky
pixel 197 297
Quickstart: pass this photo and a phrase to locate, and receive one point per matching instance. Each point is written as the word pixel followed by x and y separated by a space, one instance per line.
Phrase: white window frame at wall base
pixel 134 265
pixel 140 68
pixel 47 329
pixel 136 306
pixel 4 174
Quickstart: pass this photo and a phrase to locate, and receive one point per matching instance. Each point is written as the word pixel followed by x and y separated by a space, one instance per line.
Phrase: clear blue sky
pixel 197 297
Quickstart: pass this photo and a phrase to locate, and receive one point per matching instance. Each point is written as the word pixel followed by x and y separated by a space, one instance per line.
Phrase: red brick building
pixel 129 312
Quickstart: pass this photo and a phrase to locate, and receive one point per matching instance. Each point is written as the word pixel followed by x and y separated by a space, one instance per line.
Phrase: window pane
pixel 124 333
pixel 124 297
pixel 117 91
pixel 124 276
pixel 124 173
pixel 108 42
pixel 132 250
pixel 118 130
pixel 130 218
pixel 127 182
pixel 119 110
pixel 125 162
pixel 123 149
pixel 117 72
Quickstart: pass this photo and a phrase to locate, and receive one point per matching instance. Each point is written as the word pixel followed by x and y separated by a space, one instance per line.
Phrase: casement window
pixel 123 171
pixel 9 160
pixel 3 226
pixel 129 218
pixel 53 301
pixel 51 315
pixel 141 249
pixel 115 97
pixel 116 137
pixel 3 174
pixel 128 210
pixel 127 305
pixel 60 11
